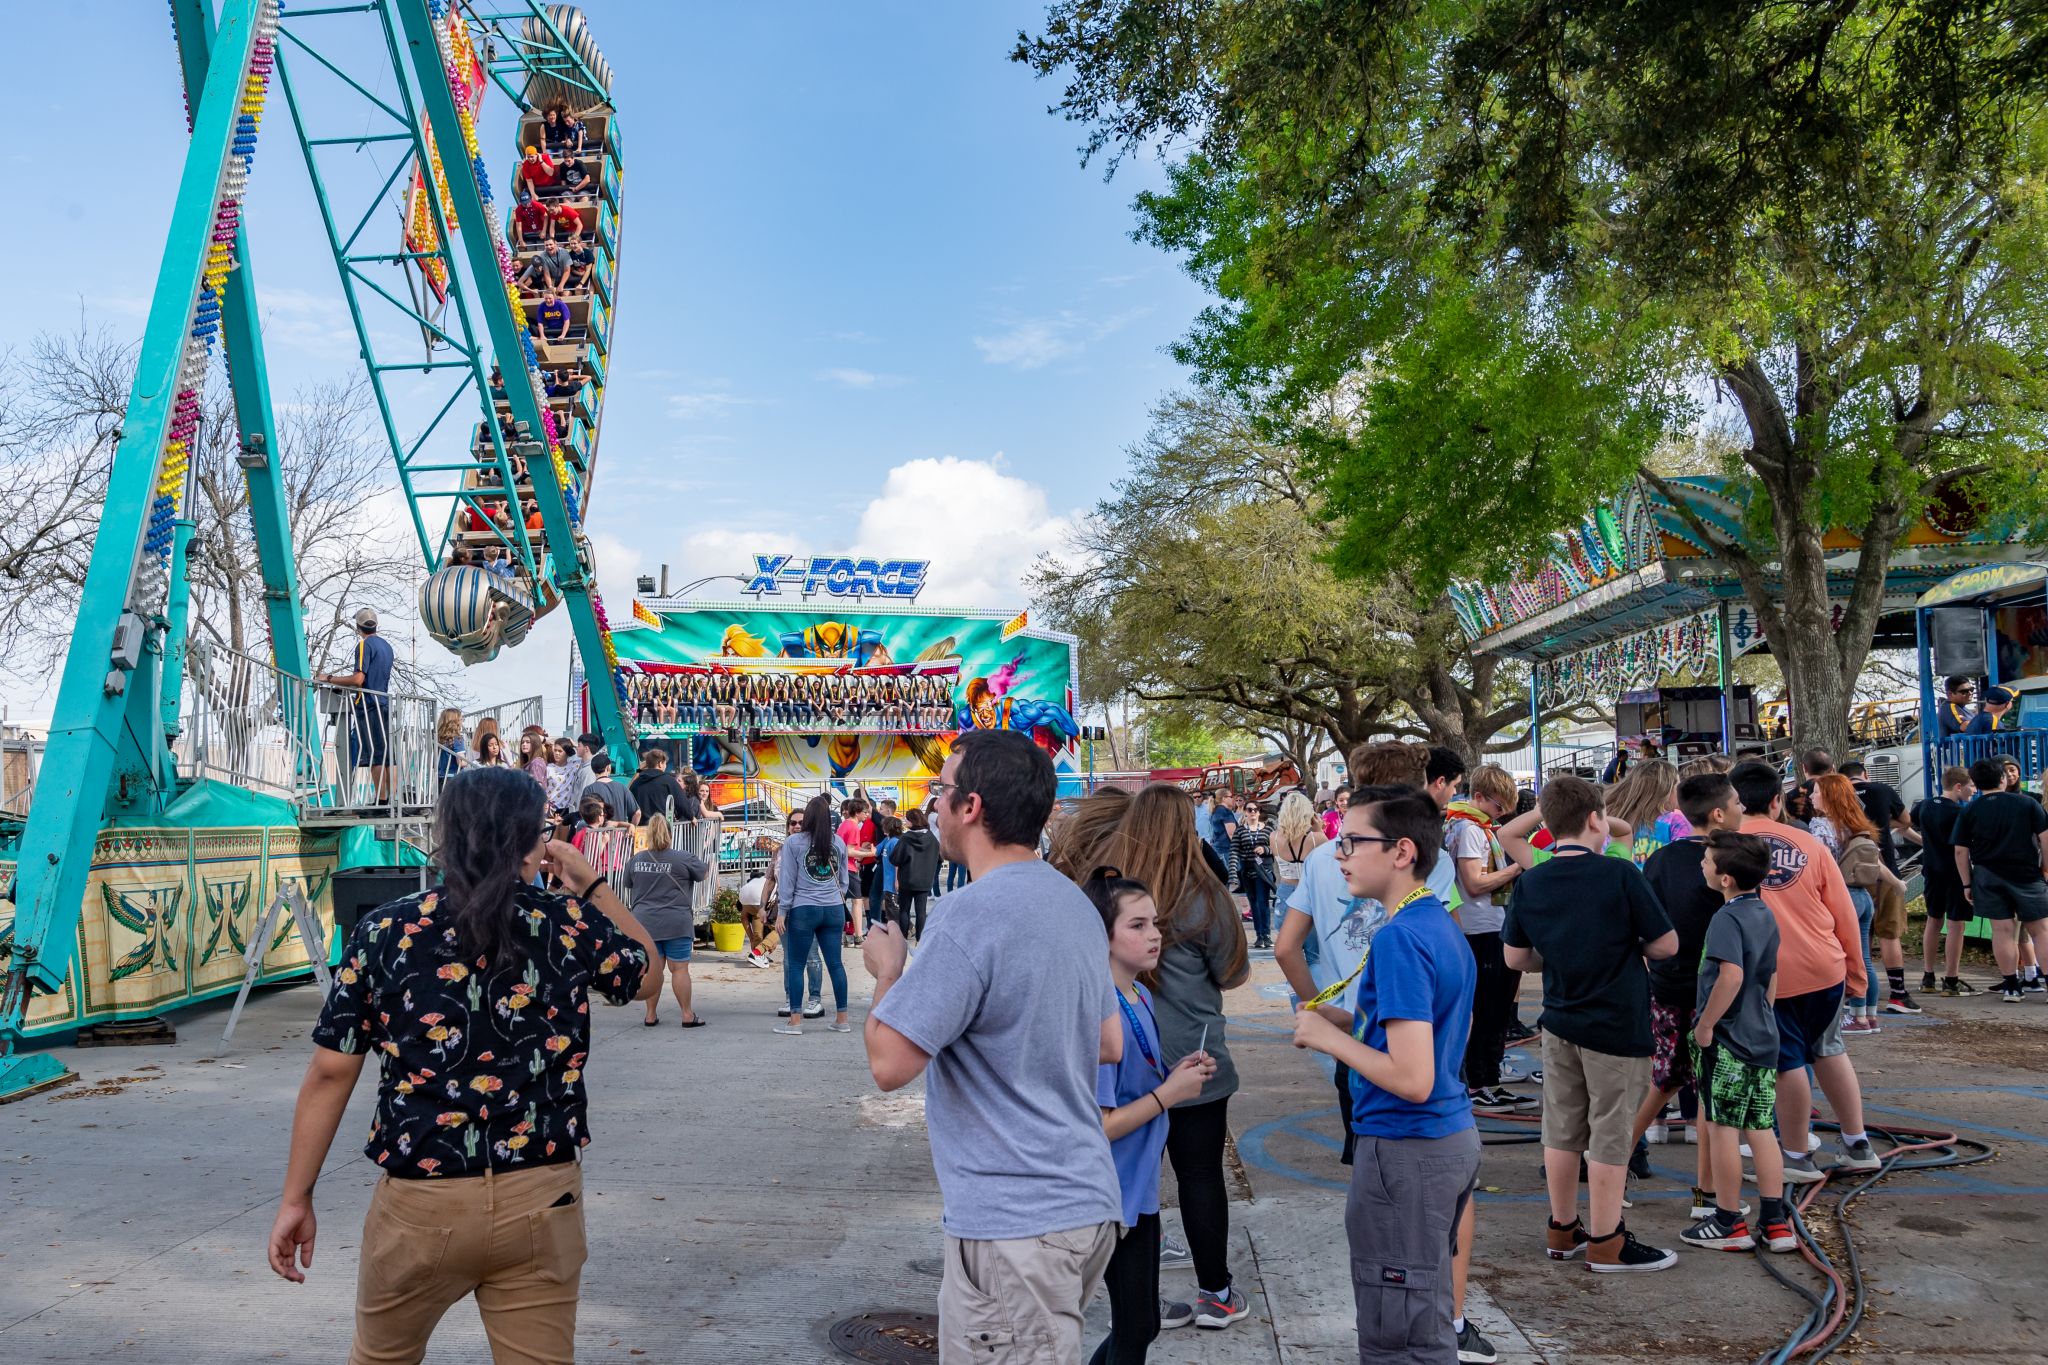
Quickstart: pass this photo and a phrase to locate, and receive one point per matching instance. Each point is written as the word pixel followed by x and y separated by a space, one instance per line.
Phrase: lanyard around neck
pixel 1331 992
pixel 1138 1032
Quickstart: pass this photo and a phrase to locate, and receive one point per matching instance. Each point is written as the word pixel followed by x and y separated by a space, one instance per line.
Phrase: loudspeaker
pixel 1957 637
pixel 360 890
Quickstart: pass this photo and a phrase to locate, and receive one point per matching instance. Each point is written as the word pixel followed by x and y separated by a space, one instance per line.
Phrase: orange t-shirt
pixel 1819 944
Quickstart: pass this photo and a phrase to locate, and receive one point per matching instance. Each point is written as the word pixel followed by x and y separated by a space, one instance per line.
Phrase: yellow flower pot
pixel 729 938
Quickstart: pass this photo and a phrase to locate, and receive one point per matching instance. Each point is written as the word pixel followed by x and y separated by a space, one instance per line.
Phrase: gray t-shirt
pixel 1467 839
pixel 615 794
pixel 1189 997
pixel 1008 993
pixel 1745 933
pixel 662 883
pixel 796 884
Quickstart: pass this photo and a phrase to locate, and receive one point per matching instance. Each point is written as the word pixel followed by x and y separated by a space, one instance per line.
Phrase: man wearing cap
pixel 1997 701
pixel 537 172
pixel 369 713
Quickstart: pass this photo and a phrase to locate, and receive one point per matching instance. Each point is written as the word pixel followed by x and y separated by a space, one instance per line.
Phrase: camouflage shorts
pixel 1733 1093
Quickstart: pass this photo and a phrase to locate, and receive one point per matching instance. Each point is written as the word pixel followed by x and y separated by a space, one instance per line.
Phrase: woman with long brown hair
pixel 1086 831
pixel 1647 797
pixel 1202 954
pixel 1854 844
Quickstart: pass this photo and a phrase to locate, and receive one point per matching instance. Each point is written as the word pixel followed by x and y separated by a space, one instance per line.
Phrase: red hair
pixel 1836 797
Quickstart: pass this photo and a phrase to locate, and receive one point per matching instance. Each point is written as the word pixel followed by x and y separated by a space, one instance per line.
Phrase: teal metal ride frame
pixel 107 750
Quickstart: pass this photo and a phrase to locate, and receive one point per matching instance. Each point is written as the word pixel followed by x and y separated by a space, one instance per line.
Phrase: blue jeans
pixel 956 876
pixel 1260 895
pixel 809 926
pixel 1865 908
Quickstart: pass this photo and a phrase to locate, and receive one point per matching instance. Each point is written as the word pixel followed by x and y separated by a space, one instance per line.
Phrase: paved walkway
pixel 746 1191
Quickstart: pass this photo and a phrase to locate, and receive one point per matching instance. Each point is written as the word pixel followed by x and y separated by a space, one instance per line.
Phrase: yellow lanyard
pixel 1331 992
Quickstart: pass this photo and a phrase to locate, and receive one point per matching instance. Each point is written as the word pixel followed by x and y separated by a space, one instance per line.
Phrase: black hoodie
pixel 916 857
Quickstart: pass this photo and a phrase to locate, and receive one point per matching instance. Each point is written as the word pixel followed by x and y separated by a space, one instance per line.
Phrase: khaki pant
pixel 1590 1100
pixel 1013 1302
pixel 501 1236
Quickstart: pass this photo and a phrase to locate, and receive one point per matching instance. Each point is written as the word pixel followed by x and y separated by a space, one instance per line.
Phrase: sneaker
pixel 1800 1170
pixel 1703 1204
pixel 1927 982
pixel 1563 1243
pixel 1519 1032
pixel 1709 1235
pixel 1510 1073
pixel 1853 1025
pixel 782 1013
pixel 1692 1135
pixel 1639 1162
pixel 1902 1003
pixel 1474 1349
pixel 2012 995
pixel 1620 1253
pixel 1220 1310
pixel 1778 1237
pixel 1172 1315
pixel 2034 985
pixel 1956 986
pixel 813 1008
pixel 1494 1100
pixel 1657 1134
pixel 1174 1253
pixel 765 961
pixel 790 1029
pixel 1858 1156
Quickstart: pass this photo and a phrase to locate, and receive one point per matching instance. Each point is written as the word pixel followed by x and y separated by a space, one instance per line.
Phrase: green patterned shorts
pixel 1733 1093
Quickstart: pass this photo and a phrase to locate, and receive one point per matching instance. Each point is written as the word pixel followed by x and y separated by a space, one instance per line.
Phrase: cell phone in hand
pixel 1203 1045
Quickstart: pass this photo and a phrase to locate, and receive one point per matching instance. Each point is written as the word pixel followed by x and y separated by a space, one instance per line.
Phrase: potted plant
pixel 728 927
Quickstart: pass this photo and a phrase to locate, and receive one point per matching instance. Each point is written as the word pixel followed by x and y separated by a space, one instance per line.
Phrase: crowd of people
pixel 793 701
pixel 1708 940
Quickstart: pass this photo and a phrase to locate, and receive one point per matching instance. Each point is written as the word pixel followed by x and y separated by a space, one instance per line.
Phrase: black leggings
pixel 1493 1009
pixel 911 909
pixel 1194 1143
pixel 1133 1284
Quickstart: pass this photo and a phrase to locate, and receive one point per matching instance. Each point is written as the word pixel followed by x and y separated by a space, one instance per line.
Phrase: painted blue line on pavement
pixel 1950 1121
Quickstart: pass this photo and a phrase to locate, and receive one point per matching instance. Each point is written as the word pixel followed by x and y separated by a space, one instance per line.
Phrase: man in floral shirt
pixel 480 1020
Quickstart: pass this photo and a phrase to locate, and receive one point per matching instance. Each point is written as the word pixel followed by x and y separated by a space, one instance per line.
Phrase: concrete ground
pixel 748 1190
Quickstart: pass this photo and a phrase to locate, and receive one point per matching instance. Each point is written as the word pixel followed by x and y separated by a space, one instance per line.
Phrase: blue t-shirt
pixel 888 868
pixel 1982 723
pixel 1137 1152
pixel 373 661
pixel 1223 833
pixel 1344 924
pixel 1419 968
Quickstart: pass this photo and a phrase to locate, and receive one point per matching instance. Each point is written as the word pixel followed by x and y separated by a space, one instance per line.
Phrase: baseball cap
pixel 1997 696
pixel 366 619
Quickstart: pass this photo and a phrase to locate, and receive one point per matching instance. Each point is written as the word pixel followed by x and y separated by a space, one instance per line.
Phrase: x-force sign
pixel 823 574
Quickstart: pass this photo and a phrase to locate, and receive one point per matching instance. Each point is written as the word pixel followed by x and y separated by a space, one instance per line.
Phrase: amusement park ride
pixel 122 773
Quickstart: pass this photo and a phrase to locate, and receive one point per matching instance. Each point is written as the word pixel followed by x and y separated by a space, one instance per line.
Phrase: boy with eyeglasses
pixel 1416 1156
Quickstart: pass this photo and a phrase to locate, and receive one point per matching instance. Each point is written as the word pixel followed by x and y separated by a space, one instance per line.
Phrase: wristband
pixel 584 894
pixel 1154 1095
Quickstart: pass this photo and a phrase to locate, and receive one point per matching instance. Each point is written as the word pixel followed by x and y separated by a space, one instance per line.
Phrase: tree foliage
pixel 1201 585
pixel 1529 239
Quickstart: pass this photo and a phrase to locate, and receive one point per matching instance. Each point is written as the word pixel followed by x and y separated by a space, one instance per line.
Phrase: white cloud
pixel 1035 342
pixel 980 527
pixel 857 337
pixel 860 379
pixel 714 399
pixel 1030 344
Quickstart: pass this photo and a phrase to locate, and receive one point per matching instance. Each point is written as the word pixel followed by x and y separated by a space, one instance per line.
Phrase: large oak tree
pixel 1536 237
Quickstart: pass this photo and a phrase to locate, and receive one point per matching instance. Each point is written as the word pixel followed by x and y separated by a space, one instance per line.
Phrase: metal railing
pixel 512 718
pixel 362 727
pixel 247 723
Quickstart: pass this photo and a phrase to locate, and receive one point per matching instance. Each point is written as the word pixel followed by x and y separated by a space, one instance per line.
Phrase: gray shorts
pixel 1999 897
pixel 1407 1195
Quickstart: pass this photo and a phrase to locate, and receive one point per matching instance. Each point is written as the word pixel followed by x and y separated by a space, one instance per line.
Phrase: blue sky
pixel 870 300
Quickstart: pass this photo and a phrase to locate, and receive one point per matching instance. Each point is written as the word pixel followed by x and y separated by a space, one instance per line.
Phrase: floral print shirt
pixel 482 1065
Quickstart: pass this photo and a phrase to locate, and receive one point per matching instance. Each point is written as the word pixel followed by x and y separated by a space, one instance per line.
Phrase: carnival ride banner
pixel 1023 682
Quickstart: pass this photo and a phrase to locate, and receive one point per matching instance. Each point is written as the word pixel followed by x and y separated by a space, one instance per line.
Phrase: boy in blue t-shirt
pixel 1417 1153
pixel 891 831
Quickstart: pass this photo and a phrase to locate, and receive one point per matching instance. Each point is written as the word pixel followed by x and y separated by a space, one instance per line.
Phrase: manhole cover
pixel 888 1338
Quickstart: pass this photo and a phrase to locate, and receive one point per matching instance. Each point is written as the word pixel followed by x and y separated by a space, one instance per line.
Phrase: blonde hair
pixel 450 725
pixel 659 839
pixel 1493 782
pixel 1646 791
pixel 1707 765
pixel 1295 822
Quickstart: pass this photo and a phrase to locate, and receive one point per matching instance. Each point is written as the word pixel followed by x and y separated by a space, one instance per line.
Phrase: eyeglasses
pixel 938 788
pixel 1347 844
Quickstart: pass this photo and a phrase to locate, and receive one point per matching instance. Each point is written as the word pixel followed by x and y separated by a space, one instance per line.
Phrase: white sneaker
pixel 1692 1135
pixel 1656 1135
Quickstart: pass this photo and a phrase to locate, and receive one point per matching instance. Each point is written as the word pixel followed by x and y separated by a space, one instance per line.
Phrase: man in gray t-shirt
pixel 1008 1010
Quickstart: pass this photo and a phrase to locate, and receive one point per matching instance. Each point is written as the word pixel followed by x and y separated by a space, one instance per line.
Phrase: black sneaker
pixel 1474 1349
pixel 1620 1253
pixel 2034 985
pixel 1710 1235
pixel 1519 1032
pixel 1902 1003
pixel 2011 994
pixel 1956 986
pixel 1639 1162
pixel 1927 982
